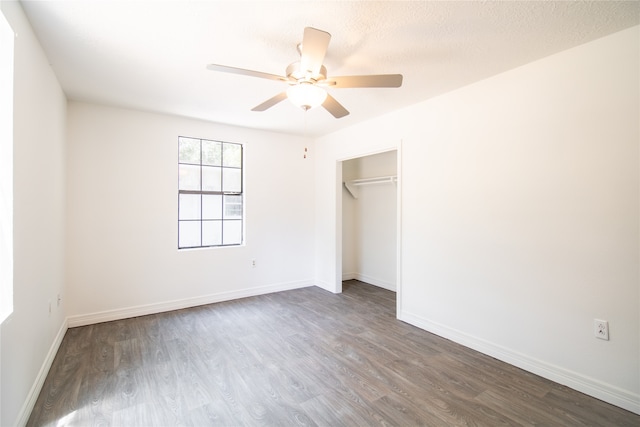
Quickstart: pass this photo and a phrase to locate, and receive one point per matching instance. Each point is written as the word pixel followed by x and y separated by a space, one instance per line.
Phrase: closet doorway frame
pixel 339 191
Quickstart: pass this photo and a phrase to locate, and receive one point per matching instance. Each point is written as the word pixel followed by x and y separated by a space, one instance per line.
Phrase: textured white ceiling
pixel 151 55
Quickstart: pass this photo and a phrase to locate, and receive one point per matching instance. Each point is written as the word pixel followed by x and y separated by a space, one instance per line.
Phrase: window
pixel 210 195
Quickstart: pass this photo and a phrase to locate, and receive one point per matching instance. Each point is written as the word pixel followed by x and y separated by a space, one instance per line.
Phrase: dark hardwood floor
pixel 301 357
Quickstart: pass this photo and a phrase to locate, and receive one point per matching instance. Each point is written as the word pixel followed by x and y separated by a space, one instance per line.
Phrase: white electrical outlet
pixel 601 329
pixel 253 263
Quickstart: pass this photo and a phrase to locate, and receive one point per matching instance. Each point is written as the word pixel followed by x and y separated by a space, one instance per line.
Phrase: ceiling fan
pixel 308 79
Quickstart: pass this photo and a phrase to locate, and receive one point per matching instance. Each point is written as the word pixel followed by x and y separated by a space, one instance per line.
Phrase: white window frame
pixel 214 231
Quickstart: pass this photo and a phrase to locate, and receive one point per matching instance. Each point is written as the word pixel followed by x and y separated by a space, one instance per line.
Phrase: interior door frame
pixel 338 260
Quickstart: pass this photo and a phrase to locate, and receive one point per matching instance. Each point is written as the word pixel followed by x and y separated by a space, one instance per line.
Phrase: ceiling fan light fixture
pixel 306 95
pixel 307 78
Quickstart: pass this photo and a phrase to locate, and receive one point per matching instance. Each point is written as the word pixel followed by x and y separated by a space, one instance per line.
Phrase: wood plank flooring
pixel 304 357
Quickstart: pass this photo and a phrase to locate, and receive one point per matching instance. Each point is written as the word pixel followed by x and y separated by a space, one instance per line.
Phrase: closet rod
pixel 376 180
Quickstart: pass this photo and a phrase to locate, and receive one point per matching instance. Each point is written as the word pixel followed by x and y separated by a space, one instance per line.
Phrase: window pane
pixel 232 232
pixel 188 234
pixel 232 179
pixel 188 177
pixel 232 207
pixel 211 233
pixel 232 155
pixel 211 207
pixel 212 219
pixel 211 180
pixel 212 153
pixel 189 150
pixel 189 207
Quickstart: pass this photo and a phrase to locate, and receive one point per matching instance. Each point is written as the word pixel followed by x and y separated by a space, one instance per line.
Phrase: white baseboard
pixel 370 280
pixel 143 310
pixel 348 276
pixel 329 287
pixel 605 392
pixel 34 392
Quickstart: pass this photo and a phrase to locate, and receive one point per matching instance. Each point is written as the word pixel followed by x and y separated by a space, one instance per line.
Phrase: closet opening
pixel 370 219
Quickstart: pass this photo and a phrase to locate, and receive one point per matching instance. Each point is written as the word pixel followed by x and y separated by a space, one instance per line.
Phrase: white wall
pixel 349 236
pixel 369 222
pixel 122 216
pixel 39 199
pixel 7 37
pixel 520 214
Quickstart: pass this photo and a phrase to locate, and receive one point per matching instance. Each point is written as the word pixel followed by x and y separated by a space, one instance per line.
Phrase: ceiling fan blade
pixel 242 71
pixel 270 102
pixel 313 49
pixel 379 80
pixel 334 107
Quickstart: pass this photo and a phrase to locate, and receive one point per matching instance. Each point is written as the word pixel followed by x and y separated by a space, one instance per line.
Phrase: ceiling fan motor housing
pixel 296 74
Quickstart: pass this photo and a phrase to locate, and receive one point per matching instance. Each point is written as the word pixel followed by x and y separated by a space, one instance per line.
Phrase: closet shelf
pixel 351 186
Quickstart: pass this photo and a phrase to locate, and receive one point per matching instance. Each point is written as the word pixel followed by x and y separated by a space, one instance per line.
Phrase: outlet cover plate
pixel 601 329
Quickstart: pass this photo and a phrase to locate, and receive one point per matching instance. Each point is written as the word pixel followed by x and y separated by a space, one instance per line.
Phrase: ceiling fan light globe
pixel 306 96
